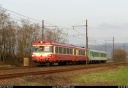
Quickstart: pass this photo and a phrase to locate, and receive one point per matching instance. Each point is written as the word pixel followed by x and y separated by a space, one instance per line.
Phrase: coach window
pixel 51 48
pixel 67 50
pixel 74 51
pixel 83 53
pixel 103 55
pixel 64 50
pixel 60 50
pixel 70 51
pixel 78 52
pixel 56 49
pixel 95 54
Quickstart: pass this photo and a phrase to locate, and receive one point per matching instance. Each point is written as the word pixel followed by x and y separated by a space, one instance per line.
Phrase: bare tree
pixel 4 19
pixel 55 35
pixel 119 55
pixel 25 36
pixel 16 39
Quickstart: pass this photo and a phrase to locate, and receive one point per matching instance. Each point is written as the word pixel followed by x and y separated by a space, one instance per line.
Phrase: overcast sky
pixel 106 18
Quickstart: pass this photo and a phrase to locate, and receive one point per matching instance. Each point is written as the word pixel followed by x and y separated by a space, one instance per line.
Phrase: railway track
pixel 29 67
pixel 5 76
pixel 11 68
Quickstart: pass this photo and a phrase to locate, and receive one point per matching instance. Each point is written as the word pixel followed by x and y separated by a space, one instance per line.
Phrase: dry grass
pixel 88 77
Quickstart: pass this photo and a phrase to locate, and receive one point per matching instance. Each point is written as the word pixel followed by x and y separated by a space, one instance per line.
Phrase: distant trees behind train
pixel 120 55
pixel 16 37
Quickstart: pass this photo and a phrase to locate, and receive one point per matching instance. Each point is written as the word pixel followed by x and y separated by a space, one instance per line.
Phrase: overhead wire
pixel 45 23
pixel 21 15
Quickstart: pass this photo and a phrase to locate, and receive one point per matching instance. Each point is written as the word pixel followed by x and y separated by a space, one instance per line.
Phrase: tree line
pixel 16 38
pixel 119 55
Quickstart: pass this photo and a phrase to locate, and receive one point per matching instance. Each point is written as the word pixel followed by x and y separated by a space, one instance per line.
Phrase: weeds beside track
pixel 12 75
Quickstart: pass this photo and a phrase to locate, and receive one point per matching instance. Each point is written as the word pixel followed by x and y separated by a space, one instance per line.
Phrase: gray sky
pixel 106 18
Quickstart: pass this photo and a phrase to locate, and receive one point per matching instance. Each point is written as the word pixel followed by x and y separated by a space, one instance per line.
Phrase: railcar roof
pixel 47 42
pixel 97 51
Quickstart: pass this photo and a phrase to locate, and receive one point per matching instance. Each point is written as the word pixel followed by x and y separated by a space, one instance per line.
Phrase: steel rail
pixel 5 76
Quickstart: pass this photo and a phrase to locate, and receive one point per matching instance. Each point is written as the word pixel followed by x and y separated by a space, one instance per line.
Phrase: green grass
pixel 31 84
pixel 110 77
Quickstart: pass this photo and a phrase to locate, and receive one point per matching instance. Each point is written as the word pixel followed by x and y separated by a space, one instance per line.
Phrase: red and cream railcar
pixel 51 52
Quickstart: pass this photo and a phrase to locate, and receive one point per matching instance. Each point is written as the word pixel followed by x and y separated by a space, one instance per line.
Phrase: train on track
pixel 50 53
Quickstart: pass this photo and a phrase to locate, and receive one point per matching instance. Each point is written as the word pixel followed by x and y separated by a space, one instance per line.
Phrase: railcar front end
pixel 42 54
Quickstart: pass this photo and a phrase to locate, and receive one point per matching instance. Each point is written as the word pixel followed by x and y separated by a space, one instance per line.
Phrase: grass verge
pixel 110 77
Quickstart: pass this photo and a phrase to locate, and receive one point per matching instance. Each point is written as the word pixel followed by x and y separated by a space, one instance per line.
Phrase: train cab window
pixel 48 48
pixel 42 48
pixel 60 50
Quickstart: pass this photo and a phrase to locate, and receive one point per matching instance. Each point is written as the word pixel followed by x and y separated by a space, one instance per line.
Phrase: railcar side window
pixel 56 49
pixel 103 54
pixel 64 50
pixel 48 48
pixel 93 54
pixel 67 50
pixel 83 53
pixel 96 54
pixel 70 51
pixel 60 50
pixel 79 52
pixel 74 51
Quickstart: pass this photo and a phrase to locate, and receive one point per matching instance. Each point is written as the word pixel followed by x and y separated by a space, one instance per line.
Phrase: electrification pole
pixel 86 49
pixel 105 46
pixel 124 46
pixel 113 47
pixel 42 29
pixel 86 42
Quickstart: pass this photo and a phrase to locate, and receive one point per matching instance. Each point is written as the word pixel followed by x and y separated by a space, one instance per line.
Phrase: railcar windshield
pixel 42 48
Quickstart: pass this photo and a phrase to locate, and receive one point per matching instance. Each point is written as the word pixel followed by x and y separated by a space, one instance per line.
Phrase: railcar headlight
pixel 50 55
pixel 33 55
pixel 41 42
